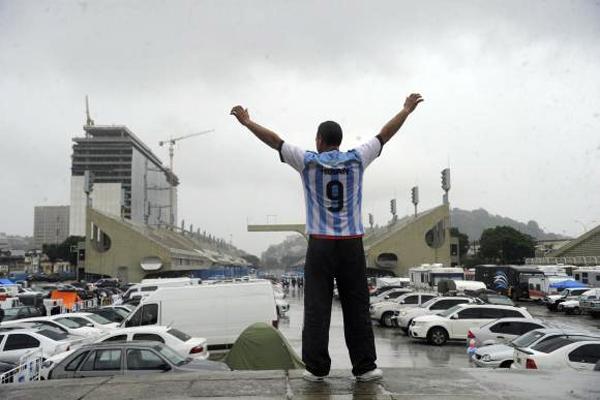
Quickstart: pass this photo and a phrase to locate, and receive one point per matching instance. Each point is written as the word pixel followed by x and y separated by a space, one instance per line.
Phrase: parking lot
pixel 394 349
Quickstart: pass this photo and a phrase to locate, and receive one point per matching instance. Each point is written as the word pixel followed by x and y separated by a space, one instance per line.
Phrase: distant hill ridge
pixel 473 223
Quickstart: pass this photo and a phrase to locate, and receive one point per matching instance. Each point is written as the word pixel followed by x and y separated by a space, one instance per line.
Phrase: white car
pixel 552 301
pixel 69 326
pixel 383 311
pixel 403 318
pixel 502 330
pixel 569 307
pixel 455 322
pixel 388 295
pixel 501 355
pixel 15 343
pixel 184 344
pixel 87 319
pixel 576 352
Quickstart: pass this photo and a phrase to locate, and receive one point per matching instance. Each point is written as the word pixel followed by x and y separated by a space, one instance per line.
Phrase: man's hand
pixel 395 123
pixel 411 102
pixel 241 114
pixel 267 136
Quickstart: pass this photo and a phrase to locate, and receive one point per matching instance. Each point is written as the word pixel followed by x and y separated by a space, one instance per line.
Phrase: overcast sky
pixel 511 88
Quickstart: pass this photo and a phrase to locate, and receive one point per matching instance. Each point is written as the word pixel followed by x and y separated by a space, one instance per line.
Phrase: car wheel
pixel 506 364
pixel 576 311
pixel 386 319
pixel 406 329
pixel 437 336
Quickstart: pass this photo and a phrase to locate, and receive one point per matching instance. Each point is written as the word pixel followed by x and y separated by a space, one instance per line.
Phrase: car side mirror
pixel 165 367
pixel 387 297
pixel 455 316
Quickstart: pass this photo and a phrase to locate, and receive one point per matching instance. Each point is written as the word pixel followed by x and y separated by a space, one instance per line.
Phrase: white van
pixel 218 312
pixel 150 285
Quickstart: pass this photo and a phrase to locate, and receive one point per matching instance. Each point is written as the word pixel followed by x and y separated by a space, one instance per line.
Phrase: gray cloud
pixel 511 93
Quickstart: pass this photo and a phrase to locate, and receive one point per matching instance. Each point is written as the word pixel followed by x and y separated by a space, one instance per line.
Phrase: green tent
pixel 262 347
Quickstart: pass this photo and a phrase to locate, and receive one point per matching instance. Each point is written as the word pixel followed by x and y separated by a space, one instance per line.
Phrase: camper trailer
pixel 427 276
pixel 588 275
pixel 541 286
pixel 509 280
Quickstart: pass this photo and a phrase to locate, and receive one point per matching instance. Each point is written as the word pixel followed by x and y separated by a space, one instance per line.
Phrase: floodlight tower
pixel 414 194
pixel 171 143
pixel 446 184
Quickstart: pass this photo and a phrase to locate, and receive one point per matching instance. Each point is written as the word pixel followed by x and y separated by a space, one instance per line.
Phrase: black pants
pixel 343 260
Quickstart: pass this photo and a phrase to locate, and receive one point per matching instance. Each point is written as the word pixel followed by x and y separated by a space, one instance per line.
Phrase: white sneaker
pixel 307 375
pixel 371 375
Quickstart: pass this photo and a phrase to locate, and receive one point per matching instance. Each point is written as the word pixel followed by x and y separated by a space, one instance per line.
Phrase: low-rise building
pixel 131 251
pixel 410 241
pixel 50 225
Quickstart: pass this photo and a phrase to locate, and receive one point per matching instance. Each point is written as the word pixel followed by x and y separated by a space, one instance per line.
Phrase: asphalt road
pixel 395 350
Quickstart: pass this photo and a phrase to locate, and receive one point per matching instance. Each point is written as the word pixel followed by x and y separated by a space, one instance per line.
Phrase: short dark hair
pixel 330 133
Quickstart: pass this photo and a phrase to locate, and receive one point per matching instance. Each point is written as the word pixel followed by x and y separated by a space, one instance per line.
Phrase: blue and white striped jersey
pixel 332 186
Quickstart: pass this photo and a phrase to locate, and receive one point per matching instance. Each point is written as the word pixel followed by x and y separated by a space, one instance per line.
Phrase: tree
pixel 506 245
pixel 463 242
pixel 63 251
pixel 252 259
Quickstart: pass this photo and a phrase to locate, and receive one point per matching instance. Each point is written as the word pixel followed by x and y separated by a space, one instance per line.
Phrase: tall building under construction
pixel 129 180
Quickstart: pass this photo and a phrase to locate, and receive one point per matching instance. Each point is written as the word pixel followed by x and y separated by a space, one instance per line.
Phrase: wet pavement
pixel 395 350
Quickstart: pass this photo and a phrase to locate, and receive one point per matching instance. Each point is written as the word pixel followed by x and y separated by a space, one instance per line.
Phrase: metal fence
pixel 27 370
pixel 578 260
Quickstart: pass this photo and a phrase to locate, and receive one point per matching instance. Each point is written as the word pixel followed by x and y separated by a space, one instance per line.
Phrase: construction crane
pixel 172 141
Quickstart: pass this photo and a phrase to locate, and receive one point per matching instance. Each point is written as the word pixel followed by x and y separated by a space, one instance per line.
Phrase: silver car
pixel 501 355
pixel 127 358
pixel 502 330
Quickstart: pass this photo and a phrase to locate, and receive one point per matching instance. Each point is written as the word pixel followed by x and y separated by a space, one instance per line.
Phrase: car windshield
pixel 550 345
pixel 99 319
pixel 449 311
pixel 171 355
pixel 121 312
pixel 179 335
pixel 428 303
pixel 54 335
pixel 500 300
pixel 527 339
pixel 11 312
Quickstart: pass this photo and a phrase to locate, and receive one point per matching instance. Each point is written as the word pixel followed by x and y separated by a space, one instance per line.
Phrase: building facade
pixel 131 251
pixel 129 180
pixel 50 225
pixel 409 242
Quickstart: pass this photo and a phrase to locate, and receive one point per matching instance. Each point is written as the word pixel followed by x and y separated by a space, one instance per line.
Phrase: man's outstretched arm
pixel 395 123
pixel 267 136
